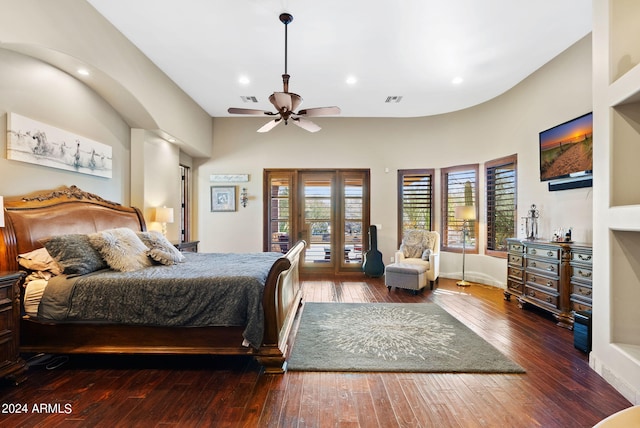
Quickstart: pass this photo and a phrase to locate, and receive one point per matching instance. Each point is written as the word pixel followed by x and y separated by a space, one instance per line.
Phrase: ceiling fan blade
pixel 306 124
pixel 234 110
pixel 319 111
pixel 270 125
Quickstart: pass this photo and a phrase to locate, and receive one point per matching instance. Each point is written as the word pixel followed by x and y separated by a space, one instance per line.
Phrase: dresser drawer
pixel 5 324
pixel 514 286
pixel 582 291
pixel 543 281
pixel 547 253
pixel 577 305
pixel 583 257
pixel 543 266
pixel 581 273
pixel 516 273
pixel 5 294
pixel 515 259
pixel 545 299
pixel 516 247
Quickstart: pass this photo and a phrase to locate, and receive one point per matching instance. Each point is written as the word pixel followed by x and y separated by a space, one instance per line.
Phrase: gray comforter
pixel 206 290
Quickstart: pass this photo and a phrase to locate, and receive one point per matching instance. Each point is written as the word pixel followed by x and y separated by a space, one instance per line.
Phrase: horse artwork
pixel 38 143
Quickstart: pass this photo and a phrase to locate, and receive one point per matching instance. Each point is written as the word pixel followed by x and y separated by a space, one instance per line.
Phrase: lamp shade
pixel 164 215
pixel 465 212
pixel 1 211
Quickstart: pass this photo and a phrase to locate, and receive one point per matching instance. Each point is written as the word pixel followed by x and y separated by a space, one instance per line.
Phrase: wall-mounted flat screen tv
pixel 566 150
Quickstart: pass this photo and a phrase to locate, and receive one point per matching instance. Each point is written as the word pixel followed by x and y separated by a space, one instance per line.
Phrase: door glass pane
pixel 318 220
pixel 353 224
pixel 280 214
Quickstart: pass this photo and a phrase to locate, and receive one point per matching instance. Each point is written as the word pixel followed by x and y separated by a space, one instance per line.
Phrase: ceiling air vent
pixel 249 99
pixel 394 99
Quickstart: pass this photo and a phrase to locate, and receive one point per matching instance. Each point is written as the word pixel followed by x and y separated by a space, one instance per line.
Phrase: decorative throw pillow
pixel 74 254
pixel 412 245
pixel 39 260
pixel 121 249
pixel 160 249
pixel 426 253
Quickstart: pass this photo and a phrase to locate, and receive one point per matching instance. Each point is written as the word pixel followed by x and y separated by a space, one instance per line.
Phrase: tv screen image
pixel 566 150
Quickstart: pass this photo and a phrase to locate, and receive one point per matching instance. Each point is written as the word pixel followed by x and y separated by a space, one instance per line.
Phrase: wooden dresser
pixel 555 276
pixel 12 366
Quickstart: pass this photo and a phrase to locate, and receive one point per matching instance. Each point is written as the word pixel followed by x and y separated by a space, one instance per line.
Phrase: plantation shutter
pixel 415 200
pixel 459 189
pixel 501 202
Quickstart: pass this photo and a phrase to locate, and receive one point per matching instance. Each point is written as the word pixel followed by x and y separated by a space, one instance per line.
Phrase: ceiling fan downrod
pixel 286 19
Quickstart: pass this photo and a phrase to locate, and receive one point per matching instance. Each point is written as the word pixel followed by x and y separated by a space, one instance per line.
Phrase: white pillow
pixel 160 249
pixel 121 249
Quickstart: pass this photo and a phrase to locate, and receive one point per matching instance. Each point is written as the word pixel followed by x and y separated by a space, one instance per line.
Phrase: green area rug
pixel 391 337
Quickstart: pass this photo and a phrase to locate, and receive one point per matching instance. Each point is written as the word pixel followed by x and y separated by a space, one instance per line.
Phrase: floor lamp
pixel 465 213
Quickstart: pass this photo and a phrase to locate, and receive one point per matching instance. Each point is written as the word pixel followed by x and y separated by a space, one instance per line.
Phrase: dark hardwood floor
pixel 558 390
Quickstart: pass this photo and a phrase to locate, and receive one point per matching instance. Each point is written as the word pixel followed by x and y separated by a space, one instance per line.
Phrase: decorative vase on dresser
pixel 12 367
pixel 554 276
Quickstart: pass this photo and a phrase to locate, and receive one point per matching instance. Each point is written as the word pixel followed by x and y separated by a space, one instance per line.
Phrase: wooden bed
pixel 33 217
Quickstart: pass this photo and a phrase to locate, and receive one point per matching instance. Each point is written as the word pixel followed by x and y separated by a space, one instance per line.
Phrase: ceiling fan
pixel 286 103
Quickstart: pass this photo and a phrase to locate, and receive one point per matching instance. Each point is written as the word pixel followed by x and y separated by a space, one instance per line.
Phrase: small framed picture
pixel 223 198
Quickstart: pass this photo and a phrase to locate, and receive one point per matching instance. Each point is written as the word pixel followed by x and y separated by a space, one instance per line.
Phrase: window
pixel 501 203
pixel 459 188
pixel 415 200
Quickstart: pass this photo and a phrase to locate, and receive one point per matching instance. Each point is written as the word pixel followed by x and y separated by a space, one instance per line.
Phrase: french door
pixel 329 209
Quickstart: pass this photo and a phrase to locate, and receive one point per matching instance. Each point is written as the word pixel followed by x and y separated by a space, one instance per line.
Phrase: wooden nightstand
pixel 187 247
pixel 12 366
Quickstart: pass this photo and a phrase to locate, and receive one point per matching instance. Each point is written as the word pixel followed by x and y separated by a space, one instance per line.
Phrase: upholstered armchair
pixel 421 247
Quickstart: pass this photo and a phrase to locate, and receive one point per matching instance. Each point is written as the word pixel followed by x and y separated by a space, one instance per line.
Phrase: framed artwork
pixel 223 198
pixel 45 145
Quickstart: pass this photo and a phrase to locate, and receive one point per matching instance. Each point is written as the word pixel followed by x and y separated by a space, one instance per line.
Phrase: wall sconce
pixel 163 215
pixel 1 211
pixel 466 213
pixel 244 198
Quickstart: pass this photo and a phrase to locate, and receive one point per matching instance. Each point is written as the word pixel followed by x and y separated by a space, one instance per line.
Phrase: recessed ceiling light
pixel 457 80
pixel 351 80
pixel 83 71
pixel 244 80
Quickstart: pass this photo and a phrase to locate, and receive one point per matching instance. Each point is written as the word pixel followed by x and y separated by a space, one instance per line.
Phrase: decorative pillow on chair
pixel 160 249
pixel 412 245
pixel 426 253
pixel 121 249
pixel 74 254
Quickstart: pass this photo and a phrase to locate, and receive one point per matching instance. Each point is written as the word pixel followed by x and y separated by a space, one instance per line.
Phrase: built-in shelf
pixel 616 287
pixel 625 152
pixel 624 218
pixel 630 351
pixel 624 33
pixel 625 90
pixel 625 288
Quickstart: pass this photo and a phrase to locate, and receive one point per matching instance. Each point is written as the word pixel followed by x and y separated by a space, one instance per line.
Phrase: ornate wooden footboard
pixel 33 217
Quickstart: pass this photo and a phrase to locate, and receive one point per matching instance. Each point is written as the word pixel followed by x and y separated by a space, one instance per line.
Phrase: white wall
pixel 36 90
pixel 145 167
pixel 559 91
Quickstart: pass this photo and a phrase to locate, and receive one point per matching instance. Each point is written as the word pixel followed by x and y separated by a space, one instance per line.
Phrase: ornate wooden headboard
pixel 31 218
